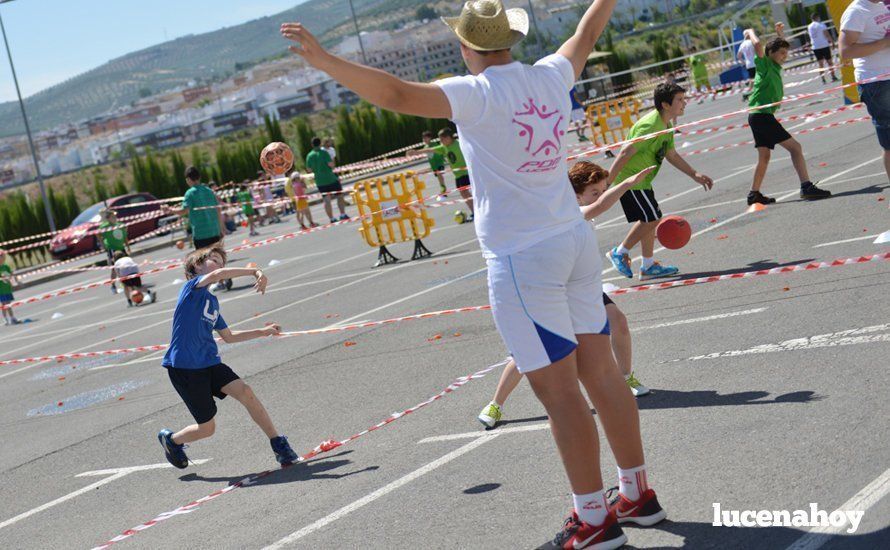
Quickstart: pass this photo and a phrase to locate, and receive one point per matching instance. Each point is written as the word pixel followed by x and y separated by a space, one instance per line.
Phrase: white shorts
pixel 543 296
pixel 578 115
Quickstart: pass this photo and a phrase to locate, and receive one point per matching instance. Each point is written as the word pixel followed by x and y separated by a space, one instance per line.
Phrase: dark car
pixel 80 238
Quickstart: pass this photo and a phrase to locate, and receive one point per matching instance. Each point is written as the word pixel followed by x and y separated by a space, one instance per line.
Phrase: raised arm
pixel 620 161
pixel 224 273
pixel 577 48
pixel 755 41
pixel 230 336
pixel 378 87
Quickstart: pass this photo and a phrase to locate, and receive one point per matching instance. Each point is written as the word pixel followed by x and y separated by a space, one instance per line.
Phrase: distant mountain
pixel 176 62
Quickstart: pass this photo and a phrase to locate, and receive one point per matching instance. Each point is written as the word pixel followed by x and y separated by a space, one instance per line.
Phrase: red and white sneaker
pixel 645 511
pixel 576 534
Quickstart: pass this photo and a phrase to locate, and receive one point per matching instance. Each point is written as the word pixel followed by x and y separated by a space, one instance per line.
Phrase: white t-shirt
pixel 817 35
pixel 512 121
pixel 872 19
pixel 331 152
pixel 746 48
pixel 126 266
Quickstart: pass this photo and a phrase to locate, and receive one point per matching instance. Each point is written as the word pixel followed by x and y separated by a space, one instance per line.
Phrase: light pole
pixel 46 206
pixel 358 34
pixel 539 36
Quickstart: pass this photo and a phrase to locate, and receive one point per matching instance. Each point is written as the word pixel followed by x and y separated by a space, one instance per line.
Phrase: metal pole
pixel 46 205
pixel 539 36
pixel 357 33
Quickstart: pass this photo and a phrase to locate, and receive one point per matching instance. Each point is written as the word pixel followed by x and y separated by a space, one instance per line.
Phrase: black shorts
pixel 823 53
pixel 607 300
pixel 463 181
pixel 331 187
pixel 204 243
pixel 640 205
pixel 767 130
pixel 198 387
pixel 752 72
pixel 438 169
pixel 135 282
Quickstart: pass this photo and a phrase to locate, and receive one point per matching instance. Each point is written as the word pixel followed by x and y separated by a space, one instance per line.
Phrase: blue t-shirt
pixel 196 317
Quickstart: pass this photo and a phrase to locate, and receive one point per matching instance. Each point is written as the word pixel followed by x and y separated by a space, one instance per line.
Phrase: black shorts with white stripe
pixel 640 206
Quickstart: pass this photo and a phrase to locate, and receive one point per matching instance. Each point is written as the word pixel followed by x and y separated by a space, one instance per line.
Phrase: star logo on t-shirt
pixel 540 128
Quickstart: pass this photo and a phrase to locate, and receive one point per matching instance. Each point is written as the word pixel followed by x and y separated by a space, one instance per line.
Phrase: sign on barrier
pixel 391 210
pixel 611 120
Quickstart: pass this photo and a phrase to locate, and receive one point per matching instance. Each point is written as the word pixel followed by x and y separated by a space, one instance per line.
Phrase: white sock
pixel 621 250
pixel 647 262
pixel 632 482
pixel 591 508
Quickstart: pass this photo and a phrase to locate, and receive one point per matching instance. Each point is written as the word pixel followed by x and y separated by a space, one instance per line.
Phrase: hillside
pixel 174 63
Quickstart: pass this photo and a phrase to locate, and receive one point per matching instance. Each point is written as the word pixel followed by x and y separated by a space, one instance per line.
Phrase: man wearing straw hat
pixel 544 271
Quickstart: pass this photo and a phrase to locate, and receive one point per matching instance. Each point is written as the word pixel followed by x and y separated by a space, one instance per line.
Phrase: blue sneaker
pixel 283 453
pixel 621 262
pixel 658 270
pixel 175 453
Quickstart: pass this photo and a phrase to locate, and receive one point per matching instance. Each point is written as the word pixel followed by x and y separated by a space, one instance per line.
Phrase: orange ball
pixel 136 297
pixel 180 245
pixel 673 232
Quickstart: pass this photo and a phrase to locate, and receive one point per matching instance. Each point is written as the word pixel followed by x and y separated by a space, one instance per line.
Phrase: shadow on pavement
pixel 753 266
pixel 312 469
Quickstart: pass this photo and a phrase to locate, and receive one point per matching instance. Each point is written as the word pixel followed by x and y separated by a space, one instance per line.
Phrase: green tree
pixel 120 187
pixel 273 129
pixel 426 12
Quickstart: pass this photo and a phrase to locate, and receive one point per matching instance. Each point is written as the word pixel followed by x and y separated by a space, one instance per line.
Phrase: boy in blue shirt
pixel 193 362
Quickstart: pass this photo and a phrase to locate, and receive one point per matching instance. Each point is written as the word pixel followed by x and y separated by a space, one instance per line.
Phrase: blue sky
pixel 52 40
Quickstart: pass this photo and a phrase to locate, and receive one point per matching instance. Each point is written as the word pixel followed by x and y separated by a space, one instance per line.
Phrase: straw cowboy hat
pixel 485 26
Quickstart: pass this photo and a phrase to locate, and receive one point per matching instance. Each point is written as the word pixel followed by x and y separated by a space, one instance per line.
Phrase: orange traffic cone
pixel 756 207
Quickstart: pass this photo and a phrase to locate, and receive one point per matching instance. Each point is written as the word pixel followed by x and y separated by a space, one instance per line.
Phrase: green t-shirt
pixel 114 237
pixel 318 160
pixel 650 152
pixel 204 222
pixel 437 160
pixel 767 85
pixel 455 158
pixel 246 202
pixel 5 284
pixel 697 62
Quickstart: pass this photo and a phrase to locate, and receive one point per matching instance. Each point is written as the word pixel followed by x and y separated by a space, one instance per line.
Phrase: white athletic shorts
pixel 578 115
pixel 543 296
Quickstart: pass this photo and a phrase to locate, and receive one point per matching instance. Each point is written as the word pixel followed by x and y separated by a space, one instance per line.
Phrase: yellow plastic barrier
pixel 836 10
pixel 390 213
pixel 611 120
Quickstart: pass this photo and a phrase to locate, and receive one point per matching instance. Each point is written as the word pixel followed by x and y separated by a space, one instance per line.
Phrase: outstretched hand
pixel 307 46
pixel 261 282
pixel 704 181
pixel 639 176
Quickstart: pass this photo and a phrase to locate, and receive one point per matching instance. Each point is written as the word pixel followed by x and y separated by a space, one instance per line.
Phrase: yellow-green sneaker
pixel 635 387
pixel 490 415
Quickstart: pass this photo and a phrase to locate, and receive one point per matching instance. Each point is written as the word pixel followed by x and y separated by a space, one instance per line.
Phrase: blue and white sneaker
pixel 175 453
pixel 283 453
pixel 621 262
pixel 657 270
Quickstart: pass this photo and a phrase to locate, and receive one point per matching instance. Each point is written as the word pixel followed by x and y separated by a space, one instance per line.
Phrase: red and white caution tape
pixel 759 273
pixel 323 447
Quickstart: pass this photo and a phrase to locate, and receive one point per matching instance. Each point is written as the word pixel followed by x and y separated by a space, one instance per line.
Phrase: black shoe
pixel 760 198
pixel 809 192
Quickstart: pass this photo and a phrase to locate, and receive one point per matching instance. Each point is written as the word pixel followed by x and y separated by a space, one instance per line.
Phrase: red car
pixel 78 238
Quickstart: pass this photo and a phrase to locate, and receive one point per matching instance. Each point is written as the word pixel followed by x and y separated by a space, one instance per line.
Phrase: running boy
pixel 246 200
pixel 449 147
pixel 7 279
pixel 193 362
pixel 768 132
pixel 437 162
pixel 296 188
pixel 590 183
pixel 124 266
pixel 639 204
pixel 544 271
pixel 700 74
pixel 114 237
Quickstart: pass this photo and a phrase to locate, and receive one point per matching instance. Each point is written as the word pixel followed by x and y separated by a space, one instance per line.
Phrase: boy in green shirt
pixel 437 162
pixel 768 132
pixel 700 73
pixel 202 208
pixel 449 148
pixel 113 236
pixel 320 162
pixel 7 279
pixel 639 204
pixel 246 202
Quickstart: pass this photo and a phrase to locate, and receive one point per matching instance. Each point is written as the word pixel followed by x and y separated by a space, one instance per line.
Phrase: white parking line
pixel 861 501
pixel 481 433
pixel 701 319
pixel 381 492
pixel 854 239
